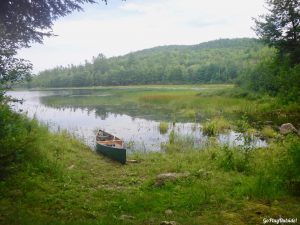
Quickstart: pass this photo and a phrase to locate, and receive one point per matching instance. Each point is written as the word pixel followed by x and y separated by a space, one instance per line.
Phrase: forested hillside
pixel 219 61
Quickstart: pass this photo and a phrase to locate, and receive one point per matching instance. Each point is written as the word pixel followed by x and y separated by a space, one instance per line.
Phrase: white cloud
pixel 135 24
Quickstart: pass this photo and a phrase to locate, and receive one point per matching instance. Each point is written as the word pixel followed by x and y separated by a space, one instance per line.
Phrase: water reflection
pixel 104 102
pixel 134 124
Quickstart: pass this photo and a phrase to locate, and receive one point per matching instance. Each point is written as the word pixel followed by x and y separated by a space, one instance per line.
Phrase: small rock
pixel 126 217
pixel 71 167
pixel 132 161
pixel 168 223
pixel 168 212
pixel 202 173
pixel 161 179
pixel 268 122
pixel 287 128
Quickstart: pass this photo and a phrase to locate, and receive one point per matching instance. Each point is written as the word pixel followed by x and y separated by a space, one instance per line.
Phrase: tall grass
pixel 157 99
pixel 66 183
pixel 178 143
pixel 268 132
pixel 49 178
pixel 163 127
pixel 215 126
pixel 20 139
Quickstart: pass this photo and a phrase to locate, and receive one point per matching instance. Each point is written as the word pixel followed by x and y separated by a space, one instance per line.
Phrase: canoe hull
pixel 117 154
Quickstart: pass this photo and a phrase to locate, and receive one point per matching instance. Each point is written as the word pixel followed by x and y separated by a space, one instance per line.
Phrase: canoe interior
pixel 110 146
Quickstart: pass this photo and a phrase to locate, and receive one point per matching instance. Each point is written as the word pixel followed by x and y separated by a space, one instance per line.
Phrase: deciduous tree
pixel 23 22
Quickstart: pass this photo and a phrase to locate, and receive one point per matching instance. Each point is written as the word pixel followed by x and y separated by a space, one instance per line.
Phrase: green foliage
pixel 158 99
pixel 219 61
pixel 22 23
pixel 278 74
pixel 215 126
pixel 20 141
pixel 262 77
pixel 15 135
pixel 242 124
pixel 275 170
pixel 190 113
pixel 289 79
pixel 210 129
pixel 275 78
pixel 268 132
pixel 290 167
pixel 63 182
pixel 178 143
pixel 163 127
pixel 234 159
pixel 281 28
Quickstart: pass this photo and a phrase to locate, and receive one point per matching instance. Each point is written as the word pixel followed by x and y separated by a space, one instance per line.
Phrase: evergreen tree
pixel 281 28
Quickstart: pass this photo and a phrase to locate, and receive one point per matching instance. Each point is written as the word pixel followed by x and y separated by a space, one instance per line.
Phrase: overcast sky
pixel 126 26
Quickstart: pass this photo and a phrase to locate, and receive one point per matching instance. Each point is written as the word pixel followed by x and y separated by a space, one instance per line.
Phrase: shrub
pixel 234 159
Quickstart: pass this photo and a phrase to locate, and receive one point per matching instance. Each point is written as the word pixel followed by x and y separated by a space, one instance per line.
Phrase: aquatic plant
pixel 158 98
pixel 163 127
pixel 215 126
pixel 268 132
pixel 178 143
pixel 190 114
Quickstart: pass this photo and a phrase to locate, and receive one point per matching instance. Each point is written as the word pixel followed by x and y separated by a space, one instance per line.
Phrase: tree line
pixel 278 74
pixel 274 69
pixel 219 61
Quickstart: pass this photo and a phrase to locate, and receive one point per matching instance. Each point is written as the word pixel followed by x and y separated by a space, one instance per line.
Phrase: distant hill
pixel 219 61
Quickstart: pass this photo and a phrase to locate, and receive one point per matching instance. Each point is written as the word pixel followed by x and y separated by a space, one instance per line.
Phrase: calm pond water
pixel 138 128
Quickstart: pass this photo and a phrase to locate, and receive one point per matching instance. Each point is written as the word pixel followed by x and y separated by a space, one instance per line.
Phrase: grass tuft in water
pixel 215 126
pixel 268 132
pixel 163 127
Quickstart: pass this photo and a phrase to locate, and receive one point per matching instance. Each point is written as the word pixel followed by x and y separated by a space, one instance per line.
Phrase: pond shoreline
pixel 53 178
pixel 58 180
pixel 82 112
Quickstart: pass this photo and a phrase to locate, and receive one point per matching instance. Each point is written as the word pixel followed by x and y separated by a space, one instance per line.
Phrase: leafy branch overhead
pixel 31 20
pixel 22 23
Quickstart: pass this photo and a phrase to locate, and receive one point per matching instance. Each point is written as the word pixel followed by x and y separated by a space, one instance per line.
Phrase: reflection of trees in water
pixel 131 110
pixel 134 111
pixel 103 110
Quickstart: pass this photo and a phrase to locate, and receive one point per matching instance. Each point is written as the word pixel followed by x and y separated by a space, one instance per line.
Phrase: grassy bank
pixel 51 178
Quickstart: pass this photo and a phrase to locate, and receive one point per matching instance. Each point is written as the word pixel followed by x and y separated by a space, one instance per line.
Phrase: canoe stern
pixel 117 154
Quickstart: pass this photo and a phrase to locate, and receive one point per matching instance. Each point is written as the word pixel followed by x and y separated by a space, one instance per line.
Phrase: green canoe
pixel 110 146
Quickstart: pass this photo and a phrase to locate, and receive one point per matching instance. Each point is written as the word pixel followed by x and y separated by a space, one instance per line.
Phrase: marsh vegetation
pixel 55 178
pixel 143 116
